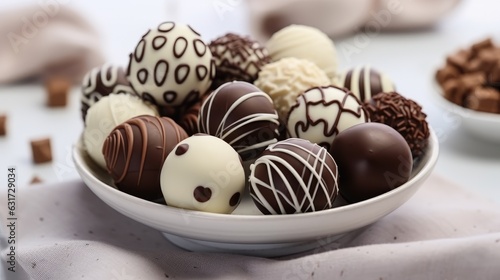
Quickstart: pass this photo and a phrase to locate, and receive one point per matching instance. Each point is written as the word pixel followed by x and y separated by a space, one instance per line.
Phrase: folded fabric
pixel 341 17
pixel 443 232
pixel 44 41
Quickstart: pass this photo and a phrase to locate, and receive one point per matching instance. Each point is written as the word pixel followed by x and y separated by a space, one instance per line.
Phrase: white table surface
pixel 409 58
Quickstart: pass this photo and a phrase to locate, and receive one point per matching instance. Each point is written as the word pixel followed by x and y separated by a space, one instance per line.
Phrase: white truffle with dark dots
pixel 203 173
pixel 171 65
pixel 321 113
pixel 105 115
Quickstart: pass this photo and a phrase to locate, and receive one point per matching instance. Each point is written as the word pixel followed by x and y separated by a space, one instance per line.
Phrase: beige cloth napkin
pixel 341 17
pixel 46 40
pixel 443 232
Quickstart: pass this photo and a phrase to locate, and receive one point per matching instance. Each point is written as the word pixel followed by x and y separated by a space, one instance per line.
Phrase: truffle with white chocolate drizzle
pixel 293 176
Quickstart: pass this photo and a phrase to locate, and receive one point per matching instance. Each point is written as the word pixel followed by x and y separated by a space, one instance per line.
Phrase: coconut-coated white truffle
pixel 105 115
pixel 203 173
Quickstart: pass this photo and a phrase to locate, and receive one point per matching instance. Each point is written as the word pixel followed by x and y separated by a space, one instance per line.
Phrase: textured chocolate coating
pixel 321 113
pixel 242 115
pixel 402 114
pixel 365 82
pixel 293 176
pixel 237 58
pixel 373 159
pixel 135 151
pixel 100 82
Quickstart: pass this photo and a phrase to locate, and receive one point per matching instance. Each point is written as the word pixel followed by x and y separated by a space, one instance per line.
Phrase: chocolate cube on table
pixel 41 150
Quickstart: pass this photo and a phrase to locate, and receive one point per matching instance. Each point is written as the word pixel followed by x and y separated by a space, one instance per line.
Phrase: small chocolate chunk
pixel 446 73
pixel 3 125
pixel 484 100
pixel 57 91
pixel 41 150
pixel 459 59
pixel 467 84
pixel 450 89
pixel 35 180
pixel 481 45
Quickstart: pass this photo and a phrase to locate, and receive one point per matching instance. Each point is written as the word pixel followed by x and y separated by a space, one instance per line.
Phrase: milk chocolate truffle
pixel 402 114
pixel 237 58
pixel 323 112
pixel 286 79
pixel 189 118
pixel 364 82
pixel 293 176
pixel 105 115
pixel 171 65
pixel 372 158
pixel 135 151
pixel 304 42
pixel 203 173
pixel 102 81
pixel 242 115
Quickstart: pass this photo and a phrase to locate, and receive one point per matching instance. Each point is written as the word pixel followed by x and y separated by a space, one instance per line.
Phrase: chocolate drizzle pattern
pixel 135 151
pixel 402 114
pixel 242 115
pixel 365 82
pixel 100 82
pixel 321 113
pixel 171 58
pixel 237 58
pixel 294 176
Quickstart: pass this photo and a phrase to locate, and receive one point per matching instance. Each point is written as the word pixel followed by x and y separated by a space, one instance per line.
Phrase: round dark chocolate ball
pixel 402 114
pixel 242 115
pixel 293 176
pixel 102 81
pixel 372 158
pixel 237 58
pixel 135 151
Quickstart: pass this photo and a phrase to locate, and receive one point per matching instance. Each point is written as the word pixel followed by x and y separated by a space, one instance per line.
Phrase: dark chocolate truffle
pixel 293 176
pixel 237 58
pixel 402 114
pixel 102 81
pixel 189 118
pixel 372 158
pixel 364 82
pixel 242 115
pixel 135 151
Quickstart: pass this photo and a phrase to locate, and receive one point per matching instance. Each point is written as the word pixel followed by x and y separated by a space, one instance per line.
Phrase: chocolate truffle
pixel 203 173
pixel 293 176
pixel 237 58
pixel 286 79
pixel 242 115
pixel 373 159
pixel 365 82
pixel 102 81
pixel 304 42
pixel 105 115
pixel 171 65
pixel 402 114
pixel 323 112
pixel 135 151
pixel 189 118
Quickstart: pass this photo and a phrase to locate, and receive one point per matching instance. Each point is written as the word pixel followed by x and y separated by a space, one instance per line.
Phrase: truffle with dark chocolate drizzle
pixel 135 151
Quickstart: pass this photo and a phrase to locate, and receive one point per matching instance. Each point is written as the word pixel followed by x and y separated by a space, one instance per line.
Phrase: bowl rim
pixel 425 170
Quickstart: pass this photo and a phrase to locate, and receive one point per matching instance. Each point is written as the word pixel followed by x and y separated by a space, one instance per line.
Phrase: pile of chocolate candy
pixel 471 77
pixel 185 119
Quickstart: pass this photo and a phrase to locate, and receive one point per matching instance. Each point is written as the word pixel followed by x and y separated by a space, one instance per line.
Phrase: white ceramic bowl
pixel 485 126
pixel 246 231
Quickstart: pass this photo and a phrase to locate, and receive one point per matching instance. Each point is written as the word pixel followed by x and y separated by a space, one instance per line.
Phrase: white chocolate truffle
pixel 105 115
pixel 365 82
pixel 171 65
pixel 286 79
pixel 304 42
pixel 203 173
pixel 323 112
